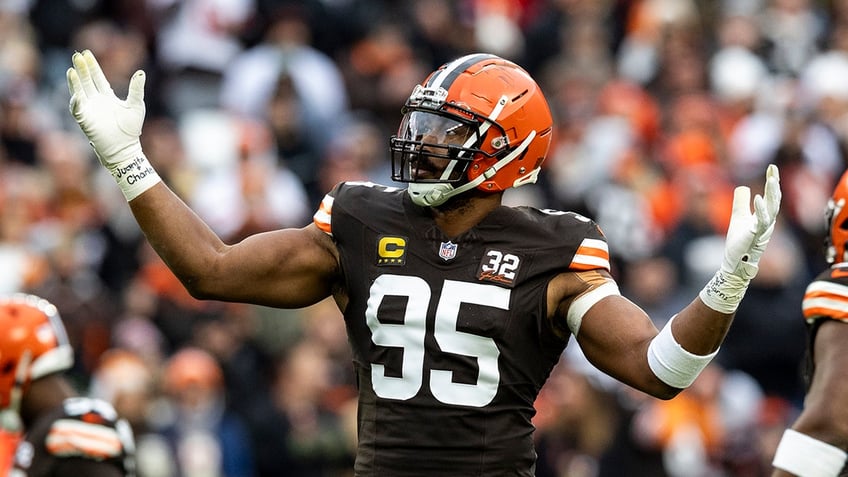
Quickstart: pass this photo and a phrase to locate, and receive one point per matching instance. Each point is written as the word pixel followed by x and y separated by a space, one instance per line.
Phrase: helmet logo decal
pixel 448 250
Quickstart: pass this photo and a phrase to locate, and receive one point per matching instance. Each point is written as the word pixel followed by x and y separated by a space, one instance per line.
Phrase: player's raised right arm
pixel 285 268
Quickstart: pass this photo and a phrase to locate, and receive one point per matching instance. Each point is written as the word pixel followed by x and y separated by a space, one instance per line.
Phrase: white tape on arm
pixel 671 363
pixel 582 303
pixel 725 291
pixel 134 175
pixel 806 456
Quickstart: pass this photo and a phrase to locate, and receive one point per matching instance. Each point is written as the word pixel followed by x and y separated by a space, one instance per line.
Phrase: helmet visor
pixel 431 147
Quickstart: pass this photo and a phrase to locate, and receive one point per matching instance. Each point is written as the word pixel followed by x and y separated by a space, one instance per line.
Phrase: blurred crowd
pixel 256 108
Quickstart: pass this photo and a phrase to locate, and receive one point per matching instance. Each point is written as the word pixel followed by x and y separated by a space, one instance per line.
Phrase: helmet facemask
pixel 436 143
pixel 432 147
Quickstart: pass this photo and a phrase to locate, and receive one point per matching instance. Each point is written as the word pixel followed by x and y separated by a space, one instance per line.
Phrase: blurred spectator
pixel 252 78
pixel 295 139
pixel 196 42
pixel 123 379
pixel 357 152
pixel 497 28
pixel 247 366
pixel 242 186
pixel 653 283
pixel 19 127
pixel 751 103
pixel 794 30
pixel 305 433
pixel 204 437
pixel 23 204
pixel 699 431
pixel 738 25
pixel 440 31
pixel 380 69
pixel 651 27
pixel 694 243
pixel 772 319
pixel 576 424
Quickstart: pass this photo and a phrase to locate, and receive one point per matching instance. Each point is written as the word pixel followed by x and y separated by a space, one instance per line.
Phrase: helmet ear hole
pixel 7 367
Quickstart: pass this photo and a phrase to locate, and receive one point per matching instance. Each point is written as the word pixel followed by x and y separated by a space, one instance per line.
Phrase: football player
pixel 58 432
pixel 815 445
pixel 456 307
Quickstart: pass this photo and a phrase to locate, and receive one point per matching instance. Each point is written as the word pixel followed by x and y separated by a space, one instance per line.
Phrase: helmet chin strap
pixel 435 194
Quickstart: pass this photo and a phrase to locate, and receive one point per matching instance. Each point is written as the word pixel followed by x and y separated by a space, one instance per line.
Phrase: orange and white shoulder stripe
pixel 825 299
pixel 73 438
pixel 591 254
pixel 323 217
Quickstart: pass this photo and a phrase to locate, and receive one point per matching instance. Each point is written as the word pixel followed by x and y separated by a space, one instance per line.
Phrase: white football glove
pixel 113 126
pixel 747 237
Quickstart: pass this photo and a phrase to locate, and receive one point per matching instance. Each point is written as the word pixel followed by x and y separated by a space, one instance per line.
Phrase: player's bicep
pixel 286 268
pixel 614 336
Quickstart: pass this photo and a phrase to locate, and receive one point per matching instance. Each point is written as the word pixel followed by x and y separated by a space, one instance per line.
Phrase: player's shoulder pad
pixel 356 189
pixel 567 233
pixel 558 221
pixel 827 295
pixel 88 428
pixel 349 197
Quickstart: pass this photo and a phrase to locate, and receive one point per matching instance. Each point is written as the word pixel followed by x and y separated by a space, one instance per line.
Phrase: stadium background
pixel 257 107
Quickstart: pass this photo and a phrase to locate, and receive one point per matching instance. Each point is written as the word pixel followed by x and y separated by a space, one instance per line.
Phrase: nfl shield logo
pixel 447 251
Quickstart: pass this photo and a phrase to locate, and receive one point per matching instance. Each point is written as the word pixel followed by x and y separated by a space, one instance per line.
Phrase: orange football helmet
pixel 33 344
pixel 479 121
pixel 836 223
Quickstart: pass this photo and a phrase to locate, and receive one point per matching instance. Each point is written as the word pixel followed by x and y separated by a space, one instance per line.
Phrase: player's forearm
pixel 183 241
pixel 699 329
pixel 687 344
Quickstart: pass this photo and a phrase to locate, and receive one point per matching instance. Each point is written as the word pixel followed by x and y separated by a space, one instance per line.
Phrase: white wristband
pixel 724 292
pixel 806 456
pixel 671 363
pixel 134 175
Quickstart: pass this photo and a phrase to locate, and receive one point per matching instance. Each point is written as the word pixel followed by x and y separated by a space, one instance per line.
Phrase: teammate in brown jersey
pixel 815 445
pixel 457 307
pixel 58 433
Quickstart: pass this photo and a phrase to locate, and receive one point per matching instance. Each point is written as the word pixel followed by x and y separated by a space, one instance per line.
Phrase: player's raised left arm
pixel 620 339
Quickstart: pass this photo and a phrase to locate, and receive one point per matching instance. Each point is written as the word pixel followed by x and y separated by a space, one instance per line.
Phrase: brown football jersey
pixel 82 437
pixel 827 295
pixel 450 337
